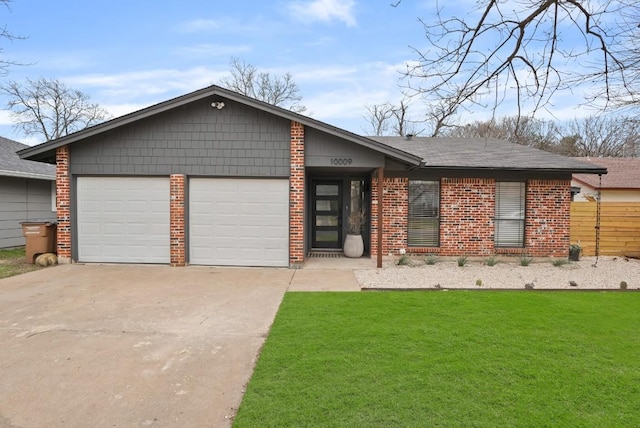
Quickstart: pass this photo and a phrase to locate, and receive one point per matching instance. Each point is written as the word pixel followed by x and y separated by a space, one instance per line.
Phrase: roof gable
pixel 46 151
pixel 12 166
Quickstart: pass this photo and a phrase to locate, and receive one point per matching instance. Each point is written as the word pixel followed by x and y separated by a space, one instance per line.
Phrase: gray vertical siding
pixel 195 140
pixel 22 200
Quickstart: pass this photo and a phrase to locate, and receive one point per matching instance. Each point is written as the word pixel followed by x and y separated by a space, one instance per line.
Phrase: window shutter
pixel 510 214
pixel 424 213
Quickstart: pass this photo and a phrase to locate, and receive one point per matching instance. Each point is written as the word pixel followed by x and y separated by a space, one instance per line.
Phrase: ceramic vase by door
pixel 353 246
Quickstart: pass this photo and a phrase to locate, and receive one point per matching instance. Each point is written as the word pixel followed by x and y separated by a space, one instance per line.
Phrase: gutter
pixel 18 174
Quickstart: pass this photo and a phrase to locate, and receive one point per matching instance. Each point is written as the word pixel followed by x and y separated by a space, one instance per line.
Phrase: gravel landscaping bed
pixel 607 273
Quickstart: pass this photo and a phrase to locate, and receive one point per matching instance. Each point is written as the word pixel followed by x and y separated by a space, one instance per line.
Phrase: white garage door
pixel 239 222
pixel 123 219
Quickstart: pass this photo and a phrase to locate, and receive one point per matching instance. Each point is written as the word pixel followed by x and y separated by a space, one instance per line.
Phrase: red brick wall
pixel 296 196
pixel 394 216
pixel 176 219
pixel 374 215
pixel 63 204
pixel 548 217
pixel 467 208
pixel 467 211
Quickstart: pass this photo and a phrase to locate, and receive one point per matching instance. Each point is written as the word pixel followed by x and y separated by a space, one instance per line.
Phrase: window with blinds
pixel 424 213
pixel 510 213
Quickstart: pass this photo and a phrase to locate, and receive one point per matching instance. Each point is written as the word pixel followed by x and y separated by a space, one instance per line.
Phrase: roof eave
pixel 18 174
pixel 544 170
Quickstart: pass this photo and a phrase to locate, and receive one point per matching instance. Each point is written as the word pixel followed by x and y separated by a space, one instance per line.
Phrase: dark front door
pixel 326 221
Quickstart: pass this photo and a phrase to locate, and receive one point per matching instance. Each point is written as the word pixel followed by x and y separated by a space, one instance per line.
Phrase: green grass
pixel 476 359
pixel 12 262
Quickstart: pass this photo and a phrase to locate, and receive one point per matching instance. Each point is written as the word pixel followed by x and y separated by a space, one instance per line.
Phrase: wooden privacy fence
pixel 619 228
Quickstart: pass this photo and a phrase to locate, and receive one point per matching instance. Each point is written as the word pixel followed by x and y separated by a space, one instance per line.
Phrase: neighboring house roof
pixel 12 166
pixel 486 153
pixel 623 173
pixel 46 151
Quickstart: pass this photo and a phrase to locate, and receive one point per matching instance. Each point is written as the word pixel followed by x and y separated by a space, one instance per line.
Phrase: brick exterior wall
pixel 63 205
pixel 176 219
pixel 467 208
pixel 467 211
pixel 296 196
pixel 548 217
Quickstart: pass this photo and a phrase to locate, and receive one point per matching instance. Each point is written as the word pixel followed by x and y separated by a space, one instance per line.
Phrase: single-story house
pixel 621 184
pixel 27 192
pixel 216 178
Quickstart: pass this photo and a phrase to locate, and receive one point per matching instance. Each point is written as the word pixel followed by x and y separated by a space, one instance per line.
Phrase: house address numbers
pixel 341 161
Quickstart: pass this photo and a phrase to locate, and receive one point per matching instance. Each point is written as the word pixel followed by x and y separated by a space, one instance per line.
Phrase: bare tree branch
pixel 601 136
pixel 528 50
pixel 49 108
pixel 390 119
pixel 281 91
pixel 5 64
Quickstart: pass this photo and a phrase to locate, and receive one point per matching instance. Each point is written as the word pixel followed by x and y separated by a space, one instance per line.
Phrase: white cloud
pixel 204 25
pixel 209 50
pixel 227 26
pixel 148 84
pixel 5 117
pixel 324 11
pixel 117 110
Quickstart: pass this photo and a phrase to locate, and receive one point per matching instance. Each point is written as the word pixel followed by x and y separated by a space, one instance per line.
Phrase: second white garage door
pixel 239 222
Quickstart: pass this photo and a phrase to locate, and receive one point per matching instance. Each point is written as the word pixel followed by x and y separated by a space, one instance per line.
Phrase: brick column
pixel 296 196
pixel 63 205
pixel 177 220
pixel 374 214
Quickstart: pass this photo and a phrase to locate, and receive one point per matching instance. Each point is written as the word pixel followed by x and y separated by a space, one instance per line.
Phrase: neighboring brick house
pixel 217 178
pixel 26 193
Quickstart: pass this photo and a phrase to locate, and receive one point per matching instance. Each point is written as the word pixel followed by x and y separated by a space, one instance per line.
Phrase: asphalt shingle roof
pixel 12 166
pixel 483 153
pixel 623 173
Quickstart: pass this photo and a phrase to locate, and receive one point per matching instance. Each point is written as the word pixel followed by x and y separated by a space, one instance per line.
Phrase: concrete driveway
pixel 123 346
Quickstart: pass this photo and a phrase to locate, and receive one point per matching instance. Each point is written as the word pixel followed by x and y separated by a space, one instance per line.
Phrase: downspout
pixel 380 198
pixel 598 220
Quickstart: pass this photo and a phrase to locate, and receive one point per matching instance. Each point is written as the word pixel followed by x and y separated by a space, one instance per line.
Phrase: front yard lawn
pixel 455 358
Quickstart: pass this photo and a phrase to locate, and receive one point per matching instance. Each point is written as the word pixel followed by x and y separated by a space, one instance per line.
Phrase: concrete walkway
pixel 123 345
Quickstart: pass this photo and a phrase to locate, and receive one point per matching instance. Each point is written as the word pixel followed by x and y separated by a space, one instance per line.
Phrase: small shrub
pixel 404 260
pixel 525 260
pixel 491 261
pixel 479 282
pixel 431 259
pixel 462 260
pixel 560 262
pixel 623 285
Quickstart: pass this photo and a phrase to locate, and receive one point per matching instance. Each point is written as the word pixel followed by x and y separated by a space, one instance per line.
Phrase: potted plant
pixel 574 252
pixel 353 243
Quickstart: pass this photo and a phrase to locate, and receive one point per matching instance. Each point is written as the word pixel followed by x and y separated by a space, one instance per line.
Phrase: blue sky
pixel 130 54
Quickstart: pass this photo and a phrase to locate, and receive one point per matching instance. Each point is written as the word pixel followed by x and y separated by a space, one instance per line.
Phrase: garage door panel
pixel 123 219
pixel 239 222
